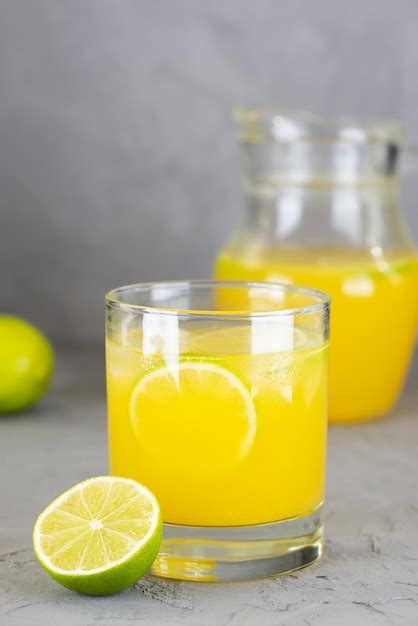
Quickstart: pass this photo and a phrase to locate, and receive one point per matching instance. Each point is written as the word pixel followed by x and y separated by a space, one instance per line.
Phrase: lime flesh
pixel 100 536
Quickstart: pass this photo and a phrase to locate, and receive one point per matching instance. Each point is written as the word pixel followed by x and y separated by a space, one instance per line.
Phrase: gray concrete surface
pixel 368 576
pixel 117 155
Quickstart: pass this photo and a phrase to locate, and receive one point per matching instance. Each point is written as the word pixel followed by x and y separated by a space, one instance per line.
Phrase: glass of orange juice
pixel 217 401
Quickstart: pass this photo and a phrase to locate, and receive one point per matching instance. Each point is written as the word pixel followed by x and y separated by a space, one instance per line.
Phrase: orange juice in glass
pixel 221 412
pixel 322 210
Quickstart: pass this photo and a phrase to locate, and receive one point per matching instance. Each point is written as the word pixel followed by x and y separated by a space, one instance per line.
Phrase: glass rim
pixel 323 299
pixel 291 126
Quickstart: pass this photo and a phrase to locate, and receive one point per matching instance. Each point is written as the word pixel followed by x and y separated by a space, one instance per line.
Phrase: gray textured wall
pixel 117 157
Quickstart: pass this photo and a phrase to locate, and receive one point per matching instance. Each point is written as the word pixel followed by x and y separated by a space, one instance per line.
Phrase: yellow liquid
pixel 190 454
pixel 373 318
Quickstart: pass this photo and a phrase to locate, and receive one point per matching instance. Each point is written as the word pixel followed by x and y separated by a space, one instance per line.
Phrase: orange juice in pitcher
pixel 322 211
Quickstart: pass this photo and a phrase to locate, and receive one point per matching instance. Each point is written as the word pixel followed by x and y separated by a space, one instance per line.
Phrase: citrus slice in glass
pixel 195 414
pixel 100 536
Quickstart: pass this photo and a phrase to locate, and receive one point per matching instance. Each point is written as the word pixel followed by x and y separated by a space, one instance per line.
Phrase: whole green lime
pixel 26 364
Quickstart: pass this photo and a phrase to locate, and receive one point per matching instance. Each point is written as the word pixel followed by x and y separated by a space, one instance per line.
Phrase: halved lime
pixel 100 536
pixel 194 414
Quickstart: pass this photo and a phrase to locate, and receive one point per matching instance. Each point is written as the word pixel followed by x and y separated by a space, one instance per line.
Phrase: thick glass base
pixel 217 554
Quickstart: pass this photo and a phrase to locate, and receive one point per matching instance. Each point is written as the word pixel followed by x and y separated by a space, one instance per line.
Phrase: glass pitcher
pixel 322 210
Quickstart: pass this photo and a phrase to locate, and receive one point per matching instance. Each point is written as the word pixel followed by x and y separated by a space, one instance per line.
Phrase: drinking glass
pixel 217 402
